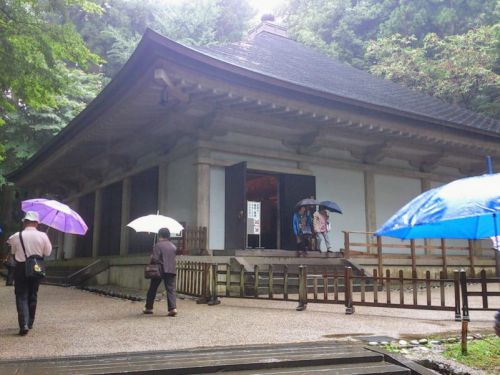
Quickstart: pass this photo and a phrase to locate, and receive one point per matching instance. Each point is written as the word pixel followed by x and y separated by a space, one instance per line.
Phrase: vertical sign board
pixel 253 220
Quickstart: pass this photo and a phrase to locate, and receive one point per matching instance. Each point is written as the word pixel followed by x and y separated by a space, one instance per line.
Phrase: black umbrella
pixel 307 202
pixel 331 206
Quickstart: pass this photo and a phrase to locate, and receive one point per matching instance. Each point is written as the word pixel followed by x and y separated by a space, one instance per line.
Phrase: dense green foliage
pixel 41 53
pixel 36 41
pixel 115 34
pixel 450 49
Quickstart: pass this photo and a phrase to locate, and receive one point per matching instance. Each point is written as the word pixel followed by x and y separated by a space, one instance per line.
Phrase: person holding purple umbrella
pixel 27 243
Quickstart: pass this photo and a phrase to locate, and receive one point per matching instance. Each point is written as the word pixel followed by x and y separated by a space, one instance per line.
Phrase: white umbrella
pixel 153 223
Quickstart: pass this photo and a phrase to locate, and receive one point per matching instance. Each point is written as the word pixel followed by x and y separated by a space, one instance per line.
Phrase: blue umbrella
pixel 331 206
pixel 467 208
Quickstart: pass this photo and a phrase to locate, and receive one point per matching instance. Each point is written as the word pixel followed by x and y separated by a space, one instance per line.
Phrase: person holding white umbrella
pixel 164 254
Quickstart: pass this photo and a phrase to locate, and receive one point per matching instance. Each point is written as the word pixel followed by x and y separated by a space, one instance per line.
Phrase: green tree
pixel 343 27
pixel 35 37
pixel 115 34
pixel 456 68
pixel 27 129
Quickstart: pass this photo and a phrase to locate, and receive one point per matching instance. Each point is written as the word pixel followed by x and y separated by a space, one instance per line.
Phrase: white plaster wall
pixel 181 182
pixel 392 193
pixel 346 188
pixel 217 208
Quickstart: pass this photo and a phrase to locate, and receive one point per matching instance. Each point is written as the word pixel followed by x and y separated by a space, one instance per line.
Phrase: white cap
pixel 31 216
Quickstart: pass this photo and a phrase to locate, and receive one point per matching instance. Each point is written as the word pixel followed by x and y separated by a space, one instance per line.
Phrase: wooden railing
pixel 193 240
pixel 374 246
pixel 267 282
pixel 484 293
pixel 193 278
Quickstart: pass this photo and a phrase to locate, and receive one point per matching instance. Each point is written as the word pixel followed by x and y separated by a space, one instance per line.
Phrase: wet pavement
pixel 74 322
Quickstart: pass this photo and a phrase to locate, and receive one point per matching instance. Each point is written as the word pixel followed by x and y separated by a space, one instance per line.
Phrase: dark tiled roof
pixel 284 59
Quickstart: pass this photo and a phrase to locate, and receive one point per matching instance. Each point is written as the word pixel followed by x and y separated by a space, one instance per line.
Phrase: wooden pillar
pixel 202 191
pixel 68 241
pixel 97 222
pixel 370 207
pixel 162 188
pixel 425 185
pixel 125 218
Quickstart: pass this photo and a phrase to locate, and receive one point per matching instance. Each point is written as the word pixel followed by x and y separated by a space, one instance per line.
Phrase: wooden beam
pixel 161 76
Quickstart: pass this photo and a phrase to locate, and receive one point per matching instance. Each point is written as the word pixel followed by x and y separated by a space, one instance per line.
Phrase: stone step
pixel 337 358
pixel 376 368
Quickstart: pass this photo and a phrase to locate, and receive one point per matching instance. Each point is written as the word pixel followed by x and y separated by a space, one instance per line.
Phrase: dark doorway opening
pixel 263 188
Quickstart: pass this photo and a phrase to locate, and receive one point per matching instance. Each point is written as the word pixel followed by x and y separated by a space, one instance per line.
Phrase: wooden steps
pixel 300 358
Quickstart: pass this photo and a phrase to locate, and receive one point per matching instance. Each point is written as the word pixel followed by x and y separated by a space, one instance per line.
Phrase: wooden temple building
pixel 198 132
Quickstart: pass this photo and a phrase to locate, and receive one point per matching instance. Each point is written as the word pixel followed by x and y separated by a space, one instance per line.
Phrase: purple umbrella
pixel 56 215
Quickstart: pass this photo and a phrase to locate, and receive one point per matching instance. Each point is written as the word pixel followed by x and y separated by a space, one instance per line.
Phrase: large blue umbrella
pixel 466 208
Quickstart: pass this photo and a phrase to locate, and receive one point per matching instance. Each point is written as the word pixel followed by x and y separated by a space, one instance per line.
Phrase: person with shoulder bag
pixel 29 247
pixel 163 255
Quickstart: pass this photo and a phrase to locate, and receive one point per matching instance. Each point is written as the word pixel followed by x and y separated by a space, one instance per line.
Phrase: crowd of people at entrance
pixel 311 228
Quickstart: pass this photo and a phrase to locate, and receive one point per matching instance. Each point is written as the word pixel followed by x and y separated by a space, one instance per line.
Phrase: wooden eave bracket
pixel 162 77
pixel 372 154
pixel 429 163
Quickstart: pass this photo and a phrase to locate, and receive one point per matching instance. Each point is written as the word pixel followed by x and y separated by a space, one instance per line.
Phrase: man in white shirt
pixel 26 290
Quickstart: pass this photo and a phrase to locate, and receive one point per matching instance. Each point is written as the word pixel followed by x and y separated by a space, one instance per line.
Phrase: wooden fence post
pixel 401 288
pixel 270 281
pixel 413 257
pixel 205 284
pixel 349 308
pixel 415 287
pixel 302 288
pixel 465 300
pixel 214 299
pixel 428 286
pixel 285 282
pixel 346 245
pixel 228 280
pixel 471 257
pixel 445 260
pixel 465 324
pixel 379 256
pixel 484 289
pixel 256 281
pixel 388 286
pixel 456 286
pixel 242 280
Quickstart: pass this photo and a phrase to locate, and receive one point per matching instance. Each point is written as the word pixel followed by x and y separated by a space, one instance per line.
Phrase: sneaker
pixel 172 312
pixel 23 331
pixel 147 311
pixel 301 307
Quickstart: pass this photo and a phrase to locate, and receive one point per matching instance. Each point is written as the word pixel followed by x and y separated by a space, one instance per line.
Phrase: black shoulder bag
pixel 35 268
pixel 154 270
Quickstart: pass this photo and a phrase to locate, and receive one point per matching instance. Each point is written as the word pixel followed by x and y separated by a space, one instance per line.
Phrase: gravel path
pixel 75 322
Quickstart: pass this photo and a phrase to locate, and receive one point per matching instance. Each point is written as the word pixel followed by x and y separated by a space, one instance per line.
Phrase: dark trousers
pixel 305 244
pixel 169 281
pixel 26 291
pixel 10 276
